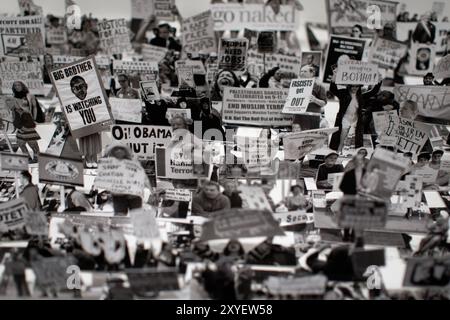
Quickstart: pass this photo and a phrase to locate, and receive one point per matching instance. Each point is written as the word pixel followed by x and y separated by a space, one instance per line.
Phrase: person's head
pixel 179 122
pixel 182 103
pixel 309 59
pixel 426 17
pixel 428 79
pixel 211 189
pixel 79 87
pixel 234 248
pixel 408 155
pixel 124 81
pixel 331 158
pixel 357 31
pixel 296 127
pixel 25 178
pixel 423 159
pixel 362 153
pixel 54 21
pixel 389 30
pixel 436 156
pixel 307 72
pixel 205 104
pixel 297 190
pixel 278 75
pixel 229 186
pixel 48 59
pixel 409 110
pixel 164 30
pixel 19 87
pixel 226 78
pixel 120 152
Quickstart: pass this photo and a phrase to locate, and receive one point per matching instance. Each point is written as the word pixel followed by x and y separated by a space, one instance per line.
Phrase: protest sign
pixel 383 172
pixel 253 198
pixel 144 224
pixel 34 45
pixel 198 33
pixel 344 14
pixel 12 214
pixel 56 36
pixel 114 36
pixel 299 144
pixel 432 101
pixel 120 176
pixel 406 29
pixel 176 162
pixel 307 286
pixel 149 90
pixel 232 16
pixel 386 124
pixel 13 32
pixel 60 171
pixel 60 61
pixel 82 96
pixel 381 120
pixel 172 112
pixel 13 161
pixel 163 9
pixel 411 135
pixel 299 96
pixel 257 63
pixel 196 65
pixel 335 179
pixel 260 107
pixel 36 224
pixel 153 53
pixel 233 54
pixel 442 68
pixel 129 110
pixel 141 9
pixel 428 175
pixel 153 280
pixel 267 41
pixel 361 213
pixel 142 140
pixel 30 73
pixel 178 194
pixel 6 105
pixel 421 59
pixel 353 72
pixel 137 71
pixel 52 272
pixel 241 223
pixel 185 77
pixel 342 48
pixel 294 218
pixel 427 272
pixel 387 53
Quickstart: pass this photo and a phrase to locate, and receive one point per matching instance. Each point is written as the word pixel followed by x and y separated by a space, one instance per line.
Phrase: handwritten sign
pixel 198 33
pixel 114 36
pixel 299 144
pixel 353 72
pixel 29 73
pixel 126 109
pixel 442 68
pixel 411 135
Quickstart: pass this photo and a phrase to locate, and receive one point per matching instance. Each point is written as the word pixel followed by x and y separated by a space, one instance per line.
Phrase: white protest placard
pixel 354 72
pixel 120 176
pixel 29 73
pixel 233 54
pixel 442 68
pixel 56 36
pixel 13 33
pixel 149 90
pixel 126 109
pixel 12 214
pixel 411 135
pixel 185 77
pixel 83 99
pixel 196 65
pixel 6 105
pixel 387 53
pixel 141 9
pixel 293 218
pixel 153 53
pixel 144 223
pixel 163 9
pixel 255 106
pixel 432 101
pixel 335 180
pixel 235 16
pixel 178 194
pixel 256 63
pixel 299 144
pixel 172 112
pixel 142 140
pixel 299 96
pixel 174 163
pixel 381 120
pixel 139 70
pixel 386 124
pixel 421 59
pixel 429 175
pixel 253 197
pixel 114 36
pixel 198 33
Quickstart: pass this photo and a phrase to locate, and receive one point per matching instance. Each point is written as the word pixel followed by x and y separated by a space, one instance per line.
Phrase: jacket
pixel 201 205
pixel 31 196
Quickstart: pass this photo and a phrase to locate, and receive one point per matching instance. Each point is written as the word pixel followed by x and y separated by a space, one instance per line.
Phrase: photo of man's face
pixel 79 87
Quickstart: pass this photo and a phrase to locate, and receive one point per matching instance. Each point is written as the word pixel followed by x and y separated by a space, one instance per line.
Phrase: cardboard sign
pixel 421 59
pixel 36 224
pixel 126 109
pixel 299 96
pixel 312 59
pixel 198 33
pixel 411 135
pixel 237 16
pixel 260 107
pixel 153 53
pixel 114 36
pixel 29 73
pixel 432 101
pixel 142 140
pixel 241 223
pixel 149 91
pixel 6 104
pixel 141 9
pixel 144 224
pixel 163 9
pixel 342 48
pixel 299 144
pixel 152 280
pixel 52 272
pixel 294 218
pixel 298 286
pixel 142 70
pixel 344 14
pixel 12 214
pixel 60 171
pixel 13 32
pixel 83 99
pixel 13 162
pixel 353 72
pixel 178 194
pixel 361 213
pixel 120 176
pixel 233 54
pixel 56 36
pixel 387 53
pixel 428 272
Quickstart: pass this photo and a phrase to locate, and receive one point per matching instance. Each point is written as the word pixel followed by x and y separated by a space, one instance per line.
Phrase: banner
pixel 56 36
pixel 432 101
pixel 344 14
pixel 387 53
pixel 30 73
pixel 442 68
pixel 421 59
pixel 14 31
pixel 126 109
pixel 60 171
pixel 82 97
pixel 294 218
pixel 120 177
pixel 411 135
pixel 141 9
pixel 12 214
pixel 142 140
pixel 235 224
pixel 114 36
pixel 353 72
pixel 149 91
pixel 260 107
pixel 198 33
pixel 13 162
pixel 254 16
pixel 233 54
pixel 342 48
pixel 299 144
pixel 153 53
pixel 144 224
pixel 299 96
pixel 361 213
